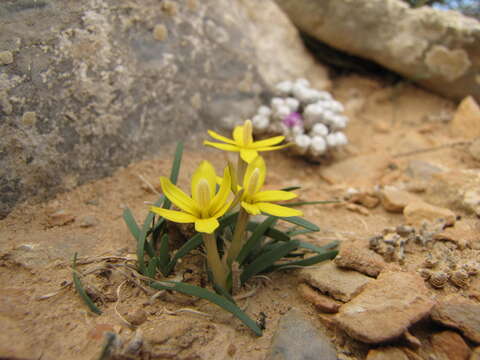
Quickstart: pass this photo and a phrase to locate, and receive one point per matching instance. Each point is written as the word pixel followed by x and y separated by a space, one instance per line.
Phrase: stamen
pixel 247 133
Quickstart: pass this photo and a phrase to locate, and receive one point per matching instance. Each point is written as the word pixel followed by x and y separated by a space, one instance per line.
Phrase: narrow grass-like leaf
pixel 152 267
pixel 301 203
pixel 194 242
pixel 301 222
pixel 319 249
pixel 210 296
pixel 256 236
pixel 299 232
pixel 306 262
pixel 177 161
pixel 267 259
pixel 164 256
pixel 81 291
pixel 271 232
pixel 291 188
pixel 131 223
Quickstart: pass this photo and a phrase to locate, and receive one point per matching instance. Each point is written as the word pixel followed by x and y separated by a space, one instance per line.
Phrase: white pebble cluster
pixel 309 118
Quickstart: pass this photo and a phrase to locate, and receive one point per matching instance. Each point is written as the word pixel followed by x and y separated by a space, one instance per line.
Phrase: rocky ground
pixel 404 286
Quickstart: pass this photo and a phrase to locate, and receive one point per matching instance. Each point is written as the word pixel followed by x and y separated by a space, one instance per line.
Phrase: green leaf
pixel 308 261
pixel 319 249
pixel 299 232
pixel 267 259
pixel 177 161
pixel 210 296
pixel 81 291
pixel 152 266
pixel 164 257
pixel 131 223
pixel 301 203
pixel 256 236
pixel 301 222
pixel 271 232
pixel 291 188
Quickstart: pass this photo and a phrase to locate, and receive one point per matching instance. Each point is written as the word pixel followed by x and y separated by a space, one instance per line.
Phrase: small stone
pixel 395 200
pixel 474 149
pixel 412 340
pixel 88 221
pixel 462 316
pixel 360 259
pixel 6 57
pixel 417 212
pixel 466 122
pixel 321 302
pixel 448 345
pixel 60 218
pixel 387 353
pixel 385 308
pixel 169 7
pixel 365 199
pixel 29 118
pixel 296 338
pixel 421 170
pixel 137 317
pixel 461 234
pixel 99 330
pixel 358 209
pixel 341 284
pixel 160 32
pixel 475 354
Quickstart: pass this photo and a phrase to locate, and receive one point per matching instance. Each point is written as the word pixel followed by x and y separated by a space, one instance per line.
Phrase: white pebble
pixel 292 103
pixel 260 122
pixel 297 130
pixel 281 112
pixel 284 88
pixel 319 129
pixel 264 110
pixel 303 82
pixel 276 102
pixel 302 142
pixel 332 140
pixel 339 121
pixel 341 138
pixel 318 146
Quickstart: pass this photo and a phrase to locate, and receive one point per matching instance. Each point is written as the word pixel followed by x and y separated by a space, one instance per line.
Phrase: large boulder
pixel 438 49
pixel 89 86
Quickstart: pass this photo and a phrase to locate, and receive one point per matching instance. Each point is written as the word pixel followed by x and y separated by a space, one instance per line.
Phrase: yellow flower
pixel 243 142
pixel 205 206
pixel 255 201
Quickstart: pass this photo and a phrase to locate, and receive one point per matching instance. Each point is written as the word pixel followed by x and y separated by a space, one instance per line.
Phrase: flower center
pixel 203 196
pixel 247 133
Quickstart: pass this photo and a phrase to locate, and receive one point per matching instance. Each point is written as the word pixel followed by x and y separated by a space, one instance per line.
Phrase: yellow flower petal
pixel 220 212
pixel 248 155
pixel 259 163
pixel 278 210
pixel 271 148
pixel 219 137
pixel 238 135
pixel 222 195
pixel 204 171
pixel 226 147
pixel 206 225
pixel 273 195
pixel 178 197
pixel 251 208
pixel 172 215
pixel 267 142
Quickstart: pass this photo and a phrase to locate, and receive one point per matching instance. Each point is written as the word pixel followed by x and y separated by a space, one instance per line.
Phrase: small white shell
pixel 332 140
pixel 292 103
pixel 318 146
pixel 281 112
pixel 276 102
pixel 438 279
pixel 284 88
pixel 319 130
pixel 460 278
pixel 302 143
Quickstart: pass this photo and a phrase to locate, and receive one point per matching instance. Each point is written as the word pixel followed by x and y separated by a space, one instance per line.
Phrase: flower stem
pixel 238 236
pixel 213 259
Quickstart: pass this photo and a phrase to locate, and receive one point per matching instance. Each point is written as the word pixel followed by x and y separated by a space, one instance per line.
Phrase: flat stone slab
pixel 386 308
pixel 462 316
pixel 297 339
pixel 358 258
pixel 340 284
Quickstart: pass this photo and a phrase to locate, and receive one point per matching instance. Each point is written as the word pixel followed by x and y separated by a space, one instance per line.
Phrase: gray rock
pixel 339 283
pixel 437 49
pixel 91 86
pixel 297 339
